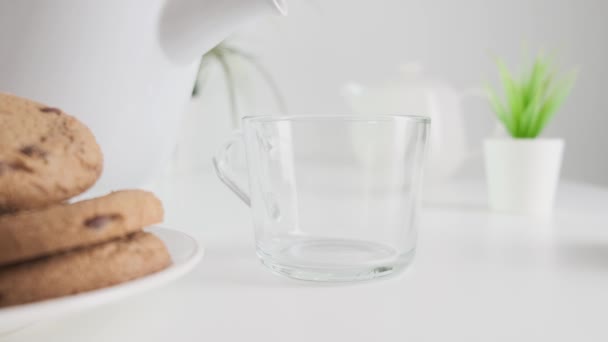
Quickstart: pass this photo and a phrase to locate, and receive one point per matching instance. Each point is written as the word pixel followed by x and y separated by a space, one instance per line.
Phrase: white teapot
pixel 417 94
pixel 124 67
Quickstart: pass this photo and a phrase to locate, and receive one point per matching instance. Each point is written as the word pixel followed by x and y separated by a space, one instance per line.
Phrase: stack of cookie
pixel 49 248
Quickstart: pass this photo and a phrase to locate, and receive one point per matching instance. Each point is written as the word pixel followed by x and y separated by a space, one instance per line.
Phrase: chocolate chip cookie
pixel 83 269
pixel 30 234
pixel 46 156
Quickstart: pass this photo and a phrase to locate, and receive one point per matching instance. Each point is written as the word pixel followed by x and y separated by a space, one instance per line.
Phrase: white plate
pixel 184 251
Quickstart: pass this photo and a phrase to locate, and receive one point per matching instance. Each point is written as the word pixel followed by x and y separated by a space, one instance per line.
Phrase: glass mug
pixel 333 198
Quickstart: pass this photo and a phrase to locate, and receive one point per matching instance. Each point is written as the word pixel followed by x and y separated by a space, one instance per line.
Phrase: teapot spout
pixel 189 28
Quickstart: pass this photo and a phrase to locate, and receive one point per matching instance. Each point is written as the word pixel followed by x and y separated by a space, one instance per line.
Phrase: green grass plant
pixel 530 99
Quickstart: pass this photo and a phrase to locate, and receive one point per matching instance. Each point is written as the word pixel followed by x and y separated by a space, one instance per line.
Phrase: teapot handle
pixel 474 93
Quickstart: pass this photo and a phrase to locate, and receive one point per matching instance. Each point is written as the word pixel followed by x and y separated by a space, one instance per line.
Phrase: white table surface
pixel 477 276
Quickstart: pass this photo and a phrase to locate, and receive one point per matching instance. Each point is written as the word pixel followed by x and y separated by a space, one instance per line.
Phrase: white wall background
pixel 324 43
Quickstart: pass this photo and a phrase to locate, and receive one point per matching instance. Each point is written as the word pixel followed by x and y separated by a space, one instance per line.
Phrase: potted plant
pixel 523 170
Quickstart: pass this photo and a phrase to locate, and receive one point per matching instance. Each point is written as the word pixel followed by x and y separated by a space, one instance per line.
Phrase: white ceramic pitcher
pixel 124 67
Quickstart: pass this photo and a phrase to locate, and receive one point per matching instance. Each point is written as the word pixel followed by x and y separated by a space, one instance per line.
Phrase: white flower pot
pixel 522 174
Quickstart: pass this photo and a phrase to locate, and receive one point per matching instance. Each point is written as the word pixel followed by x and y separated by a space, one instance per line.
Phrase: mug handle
pixel 223 170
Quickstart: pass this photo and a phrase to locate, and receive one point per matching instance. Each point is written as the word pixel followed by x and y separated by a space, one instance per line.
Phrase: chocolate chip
pixel 7 211
pixel 99 221
pixel 18 166
pixel 50 110
pixel 33 151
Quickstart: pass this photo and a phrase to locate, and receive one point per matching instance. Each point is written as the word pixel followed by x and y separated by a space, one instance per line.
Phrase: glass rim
pixel 343 117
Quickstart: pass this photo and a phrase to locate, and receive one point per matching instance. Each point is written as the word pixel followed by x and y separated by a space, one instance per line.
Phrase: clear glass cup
pixel 333 198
